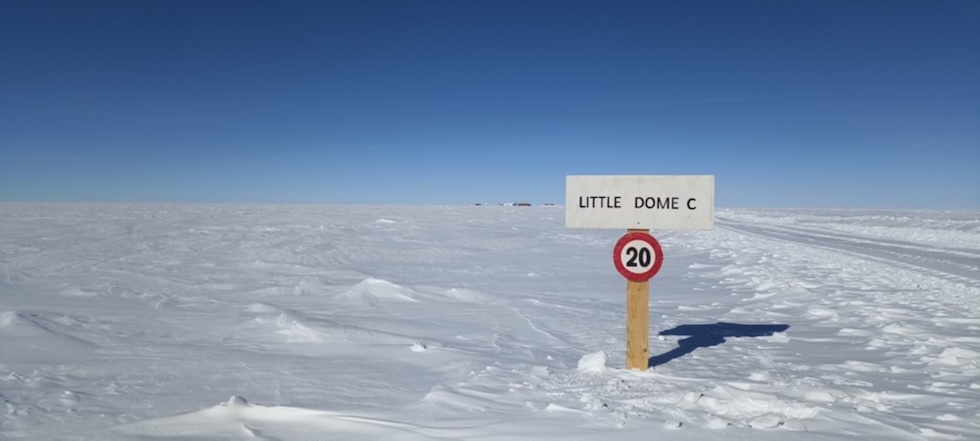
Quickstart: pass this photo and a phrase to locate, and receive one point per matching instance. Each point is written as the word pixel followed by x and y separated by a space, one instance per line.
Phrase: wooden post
pixel 638 321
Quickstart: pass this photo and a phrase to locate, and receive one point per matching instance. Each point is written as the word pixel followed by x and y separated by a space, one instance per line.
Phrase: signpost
pixel 639 203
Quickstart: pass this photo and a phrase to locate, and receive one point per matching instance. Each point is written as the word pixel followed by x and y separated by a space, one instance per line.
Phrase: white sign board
pixel 647 202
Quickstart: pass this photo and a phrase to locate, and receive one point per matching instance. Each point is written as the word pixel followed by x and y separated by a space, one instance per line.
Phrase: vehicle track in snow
pixel 955 265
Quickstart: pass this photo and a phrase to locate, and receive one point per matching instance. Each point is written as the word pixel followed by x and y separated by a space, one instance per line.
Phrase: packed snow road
pixel 957 258
pixel 345 322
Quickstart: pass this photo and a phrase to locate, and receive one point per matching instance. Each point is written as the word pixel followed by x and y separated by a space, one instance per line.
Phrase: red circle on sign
pixel 628 256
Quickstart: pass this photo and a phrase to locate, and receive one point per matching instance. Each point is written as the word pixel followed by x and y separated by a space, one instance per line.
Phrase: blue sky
pixel 851 104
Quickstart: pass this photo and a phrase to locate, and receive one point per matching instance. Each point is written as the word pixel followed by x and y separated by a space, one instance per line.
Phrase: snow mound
pixel 593 362
pixel 297 332
pixel 237 418
pixel 283 327
pixel 375 291
pixel 261 308
pixel 956 357
pixel 465 294
pixel 762 410
pixel 767 421
pixel 236 401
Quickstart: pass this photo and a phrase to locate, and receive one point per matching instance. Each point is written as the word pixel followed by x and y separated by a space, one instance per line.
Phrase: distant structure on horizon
pixel 514 204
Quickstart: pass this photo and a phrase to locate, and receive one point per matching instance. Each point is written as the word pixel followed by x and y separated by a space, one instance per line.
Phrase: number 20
pixel 642 255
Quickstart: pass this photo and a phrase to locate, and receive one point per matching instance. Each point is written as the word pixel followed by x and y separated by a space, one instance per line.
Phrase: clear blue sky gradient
pixel 850 104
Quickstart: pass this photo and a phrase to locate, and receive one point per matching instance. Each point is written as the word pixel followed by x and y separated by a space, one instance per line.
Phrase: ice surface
pixel 122 322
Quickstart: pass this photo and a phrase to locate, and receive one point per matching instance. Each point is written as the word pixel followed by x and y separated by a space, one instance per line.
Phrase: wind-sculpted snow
pixel 122 322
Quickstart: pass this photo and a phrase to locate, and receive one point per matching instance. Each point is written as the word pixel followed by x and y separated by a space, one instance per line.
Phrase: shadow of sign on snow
pixel 703 336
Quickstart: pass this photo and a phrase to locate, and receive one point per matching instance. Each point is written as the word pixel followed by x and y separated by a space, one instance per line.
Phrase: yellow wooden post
pixel 638 321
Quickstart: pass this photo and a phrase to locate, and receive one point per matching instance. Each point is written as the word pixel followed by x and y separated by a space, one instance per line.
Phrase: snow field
pixel 140 321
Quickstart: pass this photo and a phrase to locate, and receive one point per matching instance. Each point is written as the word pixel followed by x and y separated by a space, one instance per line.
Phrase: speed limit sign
pixel 638 256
